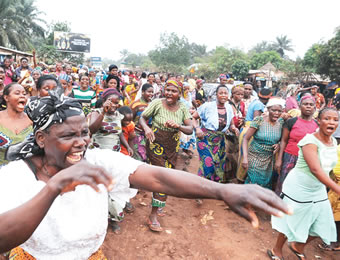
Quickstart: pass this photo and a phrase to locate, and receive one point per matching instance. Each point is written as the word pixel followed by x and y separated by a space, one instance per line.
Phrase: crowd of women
pixel 283 143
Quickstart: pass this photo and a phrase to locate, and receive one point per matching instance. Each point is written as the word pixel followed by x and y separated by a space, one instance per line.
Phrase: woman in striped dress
pixel 169 118
pixel 258 160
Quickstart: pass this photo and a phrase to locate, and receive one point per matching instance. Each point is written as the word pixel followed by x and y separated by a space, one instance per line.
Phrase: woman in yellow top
pixel 130 91
pixel 334 199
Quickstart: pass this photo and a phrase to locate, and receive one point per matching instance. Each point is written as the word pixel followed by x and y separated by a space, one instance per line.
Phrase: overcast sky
pixel 136 25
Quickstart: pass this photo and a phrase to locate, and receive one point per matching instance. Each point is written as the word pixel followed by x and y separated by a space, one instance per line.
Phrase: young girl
pixel 128 128
pixel 105 123
pixel 106 129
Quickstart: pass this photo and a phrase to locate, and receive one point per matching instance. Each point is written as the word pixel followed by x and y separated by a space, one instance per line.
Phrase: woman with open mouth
pixel 258 156
pixel 304 188
pixel 15 126
pixel 169 118
pixel 61 209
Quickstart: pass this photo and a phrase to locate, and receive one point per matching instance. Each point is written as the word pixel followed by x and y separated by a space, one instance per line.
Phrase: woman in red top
pixel 294 130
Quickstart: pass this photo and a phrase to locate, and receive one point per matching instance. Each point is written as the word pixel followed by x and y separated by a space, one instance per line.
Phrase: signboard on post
pixel 72 42
pixel 96 61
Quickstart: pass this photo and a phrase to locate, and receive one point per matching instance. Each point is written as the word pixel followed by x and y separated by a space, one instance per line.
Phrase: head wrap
pixel 199 81
pixel 110 91
pixel 307 97
pixel 176 84
pixel 64 76
pixel 276 101
pixel 44 112
pixel 37 69
pixel 223 76
pixel 230 81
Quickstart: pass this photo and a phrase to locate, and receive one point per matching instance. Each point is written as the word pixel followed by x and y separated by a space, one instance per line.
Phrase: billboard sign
pixel 72 42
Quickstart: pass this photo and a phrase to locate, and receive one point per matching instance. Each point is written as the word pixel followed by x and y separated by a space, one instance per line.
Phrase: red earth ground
pixel 209 231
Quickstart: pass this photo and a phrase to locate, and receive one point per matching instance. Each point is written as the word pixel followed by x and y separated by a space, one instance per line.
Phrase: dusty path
pixel 187 236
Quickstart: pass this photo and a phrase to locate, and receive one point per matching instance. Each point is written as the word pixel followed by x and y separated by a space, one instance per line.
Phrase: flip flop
pixel 298 254
pixel 156 227
pixel 270 253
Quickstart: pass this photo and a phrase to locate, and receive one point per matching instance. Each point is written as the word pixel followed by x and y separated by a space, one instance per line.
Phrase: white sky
pixel 136 25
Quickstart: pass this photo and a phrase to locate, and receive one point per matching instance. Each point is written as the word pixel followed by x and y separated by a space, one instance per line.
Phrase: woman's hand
pixel 199 133
pixel 240 122
pixel 149 134
pixel 276 148
pixel 81 173
pixel 243 198
pixel 130 151
pixel 278 165
pixel 245 164
pixel 285 116
pixel 107 106
pixel 171 124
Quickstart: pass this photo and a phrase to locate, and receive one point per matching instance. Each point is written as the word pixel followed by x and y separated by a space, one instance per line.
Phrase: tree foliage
pixel 260 59
pixel 172 54
pixel 19 23
pixel 240 69
pixel 311 59
pixel 283 44
pixel 329 58
pixel 262 47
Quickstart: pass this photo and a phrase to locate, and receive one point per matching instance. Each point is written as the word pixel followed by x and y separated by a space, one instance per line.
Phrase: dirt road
pixel 209 231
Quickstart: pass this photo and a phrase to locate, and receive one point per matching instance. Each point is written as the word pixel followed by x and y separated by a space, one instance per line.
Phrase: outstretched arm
pixel 240 198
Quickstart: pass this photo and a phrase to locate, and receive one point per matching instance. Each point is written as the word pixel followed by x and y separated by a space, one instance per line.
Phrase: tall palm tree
pixel 283 44
pixel 19 23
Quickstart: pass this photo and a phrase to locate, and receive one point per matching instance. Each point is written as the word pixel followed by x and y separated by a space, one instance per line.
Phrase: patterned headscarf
pixel 44 112
pixel 65 77
pixel 176 84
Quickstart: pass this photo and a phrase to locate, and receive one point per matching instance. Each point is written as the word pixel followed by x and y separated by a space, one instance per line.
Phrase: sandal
pixel 298 254
pixel 156 227
pixel 270 253
pixel 325 247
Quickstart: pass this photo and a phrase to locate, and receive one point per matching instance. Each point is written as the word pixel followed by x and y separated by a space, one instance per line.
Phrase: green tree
pixel 240 69
pixel 197 51
pixel 329 58
pixel 312 58
pixel 173 53
pixel 260 59
pixel 262 47
pixel 283 44
pixel 135 60
pixel 19 24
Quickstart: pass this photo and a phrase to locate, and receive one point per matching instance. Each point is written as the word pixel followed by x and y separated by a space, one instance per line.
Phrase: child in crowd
pixel 128 128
